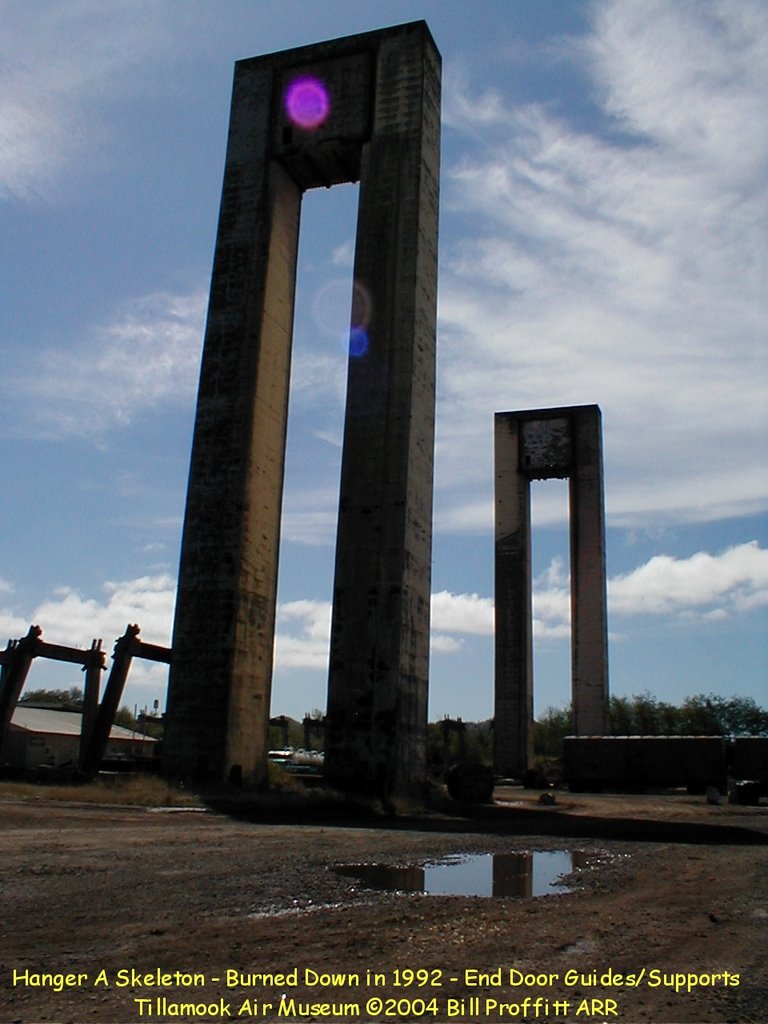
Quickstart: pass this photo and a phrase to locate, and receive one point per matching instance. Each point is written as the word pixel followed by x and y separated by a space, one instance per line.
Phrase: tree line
pixel 646 715
pixel 639 715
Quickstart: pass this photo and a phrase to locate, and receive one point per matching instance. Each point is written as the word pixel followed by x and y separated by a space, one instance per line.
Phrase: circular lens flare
pixel 330 309
pixel 358 342
pixel 361 305
pixel 307 103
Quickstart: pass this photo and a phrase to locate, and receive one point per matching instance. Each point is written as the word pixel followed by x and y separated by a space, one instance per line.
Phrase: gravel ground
pixel 668 923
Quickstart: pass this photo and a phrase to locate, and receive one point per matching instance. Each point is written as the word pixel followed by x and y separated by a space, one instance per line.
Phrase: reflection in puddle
pixel 536 873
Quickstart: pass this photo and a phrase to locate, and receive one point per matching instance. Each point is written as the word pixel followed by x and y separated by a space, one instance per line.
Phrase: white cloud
pixel 439 643
pixel 462 613
pixel 697 77
pixel 343 255
pixel 466 113
pixel 457 615
pixel 707 587
pixel 302 634
pixel 303 630
pixel 59 65
pixel 704 586
pixel 713 586
pixel 310 516
pixel 552 603
pixel 622 267
pixel 67 617
pixel 147 357
pixel 12 626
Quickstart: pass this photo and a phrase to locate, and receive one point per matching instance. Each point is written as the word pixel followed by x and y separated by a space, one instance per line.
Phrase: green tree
pixel 620 717
pixel 721 716
pixel 71 699
pixel 742 716
pixel 549 731
pixel 698 717
pixel 478 742
pixel 125 718
pixel 646 713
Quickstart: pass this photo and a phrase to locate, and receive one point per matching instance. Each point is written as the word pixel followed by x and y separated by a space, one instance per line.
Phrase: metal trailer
pixel 645 762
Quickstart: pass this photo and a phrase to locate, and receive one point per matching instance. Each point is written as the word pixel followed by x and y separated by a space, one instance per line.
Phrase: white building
pixel 40 736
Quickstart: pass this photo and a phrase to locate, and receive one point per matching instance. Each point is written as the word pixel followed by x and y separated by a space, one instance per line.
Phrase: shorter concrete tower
pixel 542 444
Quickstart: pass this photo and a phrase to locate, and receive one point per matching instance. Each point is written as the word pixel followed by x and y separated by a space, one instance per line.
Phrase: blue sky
pixel 602 240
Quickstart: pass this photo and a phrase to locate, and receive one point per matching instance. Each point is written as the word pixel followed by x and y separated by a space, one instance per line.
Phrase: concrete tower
pixel 538 445
pixel 364 108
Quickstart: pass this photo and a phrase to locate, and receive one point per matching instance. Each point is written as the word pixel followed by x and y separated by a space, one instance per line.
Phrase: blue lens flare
pixel 358 342
pixel 307 102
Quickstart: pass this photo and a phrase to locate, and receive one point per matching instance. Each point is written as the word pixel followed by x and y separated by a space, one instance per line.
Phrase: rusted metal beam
pixel 152 652
pixel 93 669
pixel 93 752
pixel 127 647
pixel 15 662
pixel 58 652
pixel 17 659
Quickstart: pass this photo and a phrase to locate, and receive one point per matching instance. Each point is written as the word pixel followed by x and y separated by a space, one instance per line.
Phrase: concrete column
pixel 513 716
pixel 589 618
pixel 377 691
pixel 220 680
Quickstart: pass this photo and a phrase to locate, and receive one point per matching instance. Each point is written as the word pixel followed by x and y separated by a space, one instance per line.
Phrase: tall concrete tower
pixel 365 108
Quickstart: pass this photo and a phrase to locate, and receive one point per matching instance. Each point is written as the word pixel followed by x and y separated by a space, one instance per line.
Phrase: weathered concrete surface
pixel 589 612
pixel 541 444
pixel 383 127
pixel 513 704
pixel 377 696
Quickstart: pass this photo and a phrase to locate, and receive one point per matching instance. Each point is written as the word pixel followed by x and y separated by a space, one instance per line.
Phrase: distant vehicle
pixel 298 762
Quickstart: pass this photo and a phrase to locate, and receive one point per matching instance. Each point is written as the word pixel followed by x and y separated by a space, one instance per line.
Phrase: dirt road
pixel 218 918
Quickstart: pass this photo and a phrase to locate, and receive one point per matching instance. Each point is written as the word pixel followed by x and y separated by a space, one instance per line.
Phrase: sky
pixel 602 240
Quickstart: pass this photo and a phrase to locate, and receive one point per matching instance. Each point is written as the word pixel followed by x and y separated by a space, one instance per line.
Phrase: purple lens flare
pixel 307 102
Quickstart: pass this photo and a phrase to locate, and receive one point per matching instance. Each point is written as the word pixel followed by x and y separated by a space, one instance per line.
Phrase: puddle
pixel 521 874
